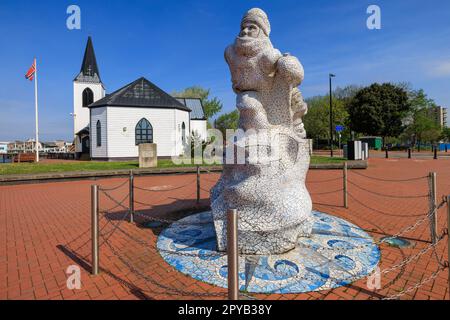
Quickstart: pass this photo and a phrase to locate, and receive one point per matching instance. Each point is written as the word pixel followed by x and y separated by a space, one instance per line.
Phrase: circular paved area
pixel 337 254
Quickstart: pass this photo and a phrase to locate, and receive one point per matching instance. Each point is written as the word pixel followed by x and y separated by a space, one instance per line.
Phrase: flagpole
pixel 36 108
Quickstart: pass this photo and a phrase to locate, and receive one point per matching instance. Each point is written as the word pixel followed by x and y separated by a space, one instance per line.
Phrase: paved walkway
pixel 44 229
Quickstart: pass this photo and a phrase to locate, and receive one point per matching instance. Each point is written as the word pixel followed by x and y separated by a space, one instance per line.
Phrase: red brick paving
pixel 45 228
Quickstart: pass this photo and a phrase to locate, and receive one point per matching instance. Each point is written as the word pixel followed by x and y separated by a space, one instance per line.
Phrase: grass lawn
pixel 30 168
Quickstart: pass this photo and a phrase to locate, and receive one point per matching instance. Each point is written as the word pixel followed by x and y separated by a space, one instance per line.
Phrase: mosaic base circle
pixel 337 253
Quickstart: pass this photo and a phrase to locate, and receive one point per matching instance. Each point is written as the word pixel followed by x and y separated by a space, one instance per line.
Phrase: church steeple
pixel 89 69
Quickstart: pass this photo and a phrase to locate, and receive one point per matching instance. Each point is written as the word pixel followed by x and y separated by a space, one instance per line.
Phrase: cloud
pixel 439 69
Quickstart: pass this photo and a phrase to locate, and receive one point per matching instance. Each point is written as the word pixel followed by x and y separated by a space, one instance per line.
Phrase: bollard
pixel 345 185
pixel 409 153
pixel 387 153
pixel 94 229
pixel 131 196
pixel 448 239
pixel 198 184
pixel 232 254
pixel 435 153
pixel 433 205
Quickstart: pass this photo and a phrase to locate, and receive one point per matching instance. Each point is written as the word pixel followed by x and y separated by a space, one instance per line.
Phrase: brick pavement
pixel 44 228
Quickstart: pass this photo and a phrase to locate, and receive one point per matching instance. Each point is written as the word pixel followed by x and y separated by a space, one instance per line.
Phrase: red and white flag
pixel 32 71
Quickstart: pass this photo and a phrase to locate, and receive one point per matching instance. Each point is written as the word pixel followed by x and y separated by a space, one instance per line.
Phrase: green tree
pixel 228 121
pixel 379 110
pixel 419 126
pixel 211 106
pixel 446 134
pixel 317 120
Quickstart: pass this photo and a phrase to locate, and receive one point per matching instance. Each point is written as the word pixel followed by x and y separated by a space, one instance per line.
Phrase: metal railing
pixel 232 228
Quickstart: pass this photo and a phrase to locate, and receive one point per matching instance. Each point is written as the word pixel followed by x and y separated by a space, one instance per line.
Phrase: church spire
pixel 89 69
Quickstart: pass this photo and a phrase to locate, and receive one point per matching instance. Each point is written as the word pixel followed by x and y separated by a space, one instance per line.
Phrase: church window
pixel 88 97
pixel 144 132
pixel 99 134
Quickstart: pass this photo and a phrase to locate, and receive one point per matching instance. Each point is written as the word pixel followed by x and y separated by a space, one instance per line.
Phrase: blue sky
pixel 176 44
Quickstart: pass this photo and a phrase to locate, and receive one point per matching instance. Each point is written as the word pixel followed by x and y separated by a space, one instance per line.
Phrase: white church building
pixel 109 127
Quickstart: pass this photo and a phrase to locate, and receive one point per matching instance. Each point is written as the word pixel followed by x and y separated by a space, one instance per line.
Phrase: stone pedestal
pixel 148 155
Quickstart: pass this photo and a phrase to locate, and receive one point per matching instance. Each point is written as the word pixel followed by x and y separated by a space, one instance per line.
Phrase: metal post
pixel 233 256
pixel 433 205
pixel 435 153
pixel 409 153
pixel 448 239
pixel 131 196
pixel 387 152
pixel 198 184
pixel 345 185
pixel 331 116
pixel 94 228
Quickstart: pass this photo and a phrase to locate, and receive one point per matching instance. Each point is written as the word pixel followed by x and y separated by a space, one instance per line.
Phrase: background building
pixel 438 115
pixel 3 147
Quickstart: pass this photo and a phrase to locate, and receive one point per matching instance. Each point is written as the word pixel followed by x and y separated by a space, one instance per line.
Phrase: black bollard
pixel 387 153
pixel 409 153
pixel 435 153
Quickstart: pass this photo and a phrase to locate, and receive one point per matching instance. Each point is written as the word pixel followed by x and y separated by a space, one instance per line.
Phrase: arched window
pixel 144 132
pixel 99 133
pixel 183 132
pixel 88 97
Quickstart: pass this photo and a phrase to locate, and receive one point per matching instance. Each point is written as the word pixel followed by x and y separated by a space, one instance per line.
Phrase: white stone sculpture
pixel 270 195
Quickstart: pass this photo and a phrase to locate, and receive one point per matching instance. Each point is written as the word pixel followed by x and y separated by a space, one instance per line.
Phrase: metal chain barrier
pixel 388 195
pixel 118 204
pixel 114 188
pixel 432 213
pixel 416 286
pixel 166 190
pixel 389 180
pixel 384 212
pixel 156 283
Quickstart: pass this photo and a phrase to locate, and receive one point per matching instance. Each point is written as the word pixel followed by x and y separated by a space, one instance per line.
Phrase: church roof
pixel 89 69
pixel 196 106
pixel 140 93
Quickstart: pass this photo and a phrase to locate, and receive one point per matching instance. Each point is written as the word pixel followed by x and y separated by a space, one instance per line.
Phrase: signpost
pixel 339 129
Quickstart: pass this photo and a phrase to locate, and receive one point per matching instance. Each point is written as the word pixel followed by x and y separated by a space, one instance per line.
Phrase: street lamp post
pixel 331 115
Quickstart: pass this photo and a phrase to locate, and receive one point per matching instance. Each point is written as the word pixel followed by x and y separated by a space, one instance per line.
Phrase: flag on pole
pixel 32 75
pixel 31 72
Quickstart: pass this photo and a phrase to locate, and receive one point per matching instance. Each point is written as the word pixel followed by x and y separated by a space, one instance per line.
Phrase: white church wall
pixel 122 122
pixel 81 114
pixel 200 127
pixel 99 114
pixel 181 116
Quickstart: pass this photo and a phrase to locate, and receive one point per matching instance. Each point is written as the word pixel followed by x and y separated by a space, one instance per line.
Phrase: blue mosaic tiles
pixel 336 254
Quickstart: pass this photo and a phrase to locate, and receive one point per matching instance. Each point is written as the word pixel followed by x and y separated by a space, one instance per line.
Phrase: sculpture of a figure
pixel 273 203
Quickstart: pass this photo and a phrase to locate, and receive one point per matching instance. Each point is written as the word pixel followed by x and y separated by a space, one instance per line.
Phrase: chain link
pixel 416 286
pixel 388 195
pixel 384 212
pixel 113 188
pixel 388 180
pixel 166 190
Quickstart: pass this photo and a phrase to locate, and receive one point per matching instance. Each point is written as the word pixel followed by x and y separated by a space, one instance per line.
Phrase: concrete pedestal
pixel 148 155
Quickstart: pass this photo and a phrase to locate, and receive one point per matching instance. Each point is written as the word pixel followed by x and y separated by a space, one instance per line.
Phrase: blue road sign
pixel 339 128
